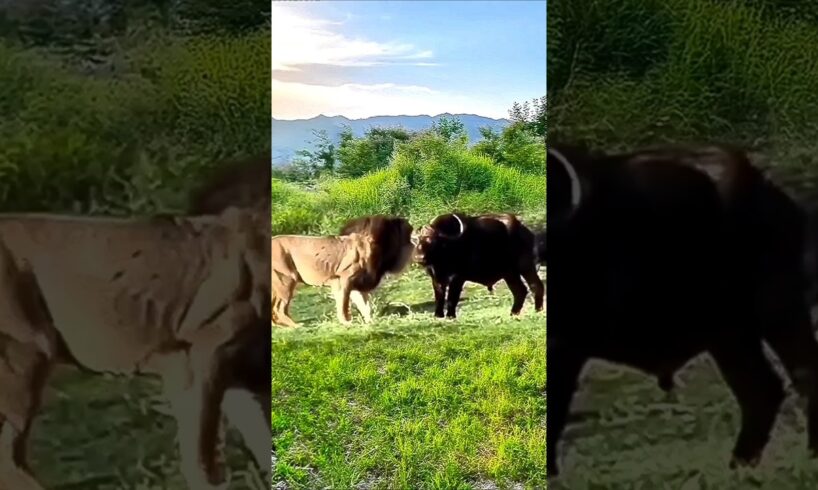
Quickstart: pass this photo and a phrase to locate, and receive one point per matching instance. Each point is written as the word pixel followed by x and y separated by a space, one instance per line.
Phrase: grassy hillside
pixel 426 179
pixel 410 401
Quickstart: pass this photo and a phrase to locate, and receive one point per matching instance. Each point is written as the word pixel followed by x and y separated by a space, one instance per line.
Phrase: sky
pixel 365 58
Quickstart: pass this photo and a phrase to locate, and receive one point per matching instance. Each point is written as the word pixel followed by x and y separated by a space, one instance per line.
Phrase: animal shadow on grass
pixel 400 309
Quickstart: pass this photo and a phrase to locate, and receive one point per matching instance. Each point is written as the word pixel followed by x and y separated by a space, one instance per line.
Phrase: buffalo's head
pixel 437 236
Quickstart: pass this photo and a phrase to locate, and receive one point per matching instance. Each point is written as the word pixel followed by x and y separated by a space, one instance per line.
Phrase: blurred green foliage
pixel 121 107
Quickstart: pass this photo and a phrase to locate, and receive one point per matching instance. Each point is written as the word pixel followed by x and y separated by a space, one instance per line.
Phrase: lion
pixel 183 298
pixel 242 183
pixel 392 252
pixel 336 261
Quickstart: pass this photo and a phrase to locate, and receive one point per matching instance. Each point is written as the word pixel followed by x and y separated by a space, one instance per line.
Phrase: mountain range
pixel 290 136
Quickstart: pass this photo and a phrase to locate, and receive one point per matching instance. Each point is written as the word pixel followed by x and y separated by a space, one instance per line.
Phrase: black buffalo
pixel 485 249
pixel 659 255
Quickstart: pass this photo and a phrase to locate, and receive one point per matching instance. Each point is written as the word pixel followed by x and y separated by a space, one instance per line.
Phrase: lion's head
pixel 391 244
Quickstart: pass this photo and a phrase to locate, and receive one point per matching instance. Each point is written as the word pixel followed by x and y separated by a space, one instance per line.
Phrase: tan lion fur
pixel 164 296
pixel 332 261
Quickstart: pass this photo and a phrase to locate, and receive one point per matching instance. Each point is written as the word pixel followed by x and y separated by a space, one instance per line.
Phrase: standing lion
pixel 334 261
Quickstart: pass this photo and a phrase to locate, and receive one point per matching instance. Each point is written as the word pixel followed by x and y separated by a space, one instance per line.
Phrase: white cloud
pixel 300 40
pixel 300 101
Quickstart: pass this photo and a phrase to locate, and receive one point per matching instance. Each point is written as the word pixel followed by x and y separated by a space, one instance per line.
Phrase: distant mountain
pixel 291 136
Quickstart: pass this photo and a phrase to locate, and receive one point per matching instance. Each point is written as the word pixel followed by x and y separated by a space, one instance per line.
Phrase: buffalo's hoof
pixel 451 316
pixel 438 314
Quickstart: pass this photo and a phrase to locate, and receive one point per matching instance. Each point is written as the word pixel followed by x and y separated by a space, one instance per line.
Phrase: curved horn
pixel 576 188
pixel 454 235
pixel 462 225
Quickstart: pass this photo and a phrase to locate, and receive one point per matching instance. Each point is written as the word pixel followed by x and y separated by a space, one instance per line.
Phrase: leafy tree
pixel 320 160
pixel 373 151
pixel 450 128
pixel 522 143
pixel 490 144
pixel 532 116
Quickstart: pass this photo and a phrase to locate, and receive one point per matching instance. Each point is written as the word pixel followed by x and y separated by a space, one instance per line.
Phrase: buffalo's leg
pixel 518 290
pixel 536 285
pixel 361 301
pixel 563 375
pixel 757 389
pixel 789 333
pixel 440 296
pixel 455 289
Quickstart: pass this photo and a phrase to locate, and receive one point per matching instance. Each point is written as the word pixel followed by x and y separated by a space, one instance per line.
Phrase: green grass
pixel 109 432
pixel 627 434
pixel 633 72
pixel 410 401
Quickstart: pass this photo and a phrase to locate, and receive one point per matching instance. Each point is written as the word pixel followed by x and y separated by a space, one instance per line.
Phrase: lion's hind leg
pixel 27 349
pixel 23 372
pixel 283 292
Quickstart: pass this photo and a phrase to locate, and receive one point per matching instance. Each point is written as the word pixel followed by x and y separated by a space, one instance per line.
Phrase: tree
pixel 532 116
pixel 490 144
pixel 450 129
pixel 373 151
pixel 320 160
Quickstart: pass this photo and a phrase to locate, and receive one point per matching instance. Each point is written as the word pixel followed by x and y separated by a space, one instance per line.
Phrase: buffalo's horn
pixel 462 225
pixel 454 235
pixel 576 188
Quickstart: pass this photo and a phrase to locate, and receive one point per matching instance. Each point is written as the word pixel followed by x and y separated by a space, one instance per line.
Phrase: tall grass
pixel 422 180
pixel 135 139
pixel 626 72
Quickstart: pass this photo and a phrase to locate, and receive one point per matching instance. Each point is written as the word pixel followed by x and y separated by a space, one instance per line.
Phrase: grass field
pixel 410 401
pixel 112 433
pixel 627 434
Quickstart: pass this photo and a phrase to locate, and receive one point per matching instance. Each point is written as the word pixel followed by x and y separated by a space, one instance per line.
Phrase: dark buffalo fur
pixel 391 250
pixel 493 247
pixel 242 183
pixel 673 252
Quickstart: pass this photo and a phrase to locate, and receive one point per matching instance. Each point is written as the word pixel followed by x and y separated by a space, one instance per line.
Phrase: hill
pixel 291 136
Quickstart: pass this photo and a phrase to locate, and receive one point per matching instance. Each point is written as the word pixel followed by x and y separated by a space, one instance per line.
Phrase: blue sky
pixel 365 58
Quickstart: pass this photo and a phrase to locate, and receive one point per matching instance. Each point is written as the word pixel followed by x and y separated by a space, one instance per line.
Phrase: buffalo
pixel 455 248
pixel 659 255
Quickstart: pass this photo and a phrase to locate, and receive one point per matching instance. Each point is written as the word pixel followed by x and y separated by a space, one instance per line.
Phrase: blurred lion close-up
pixel 184 298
